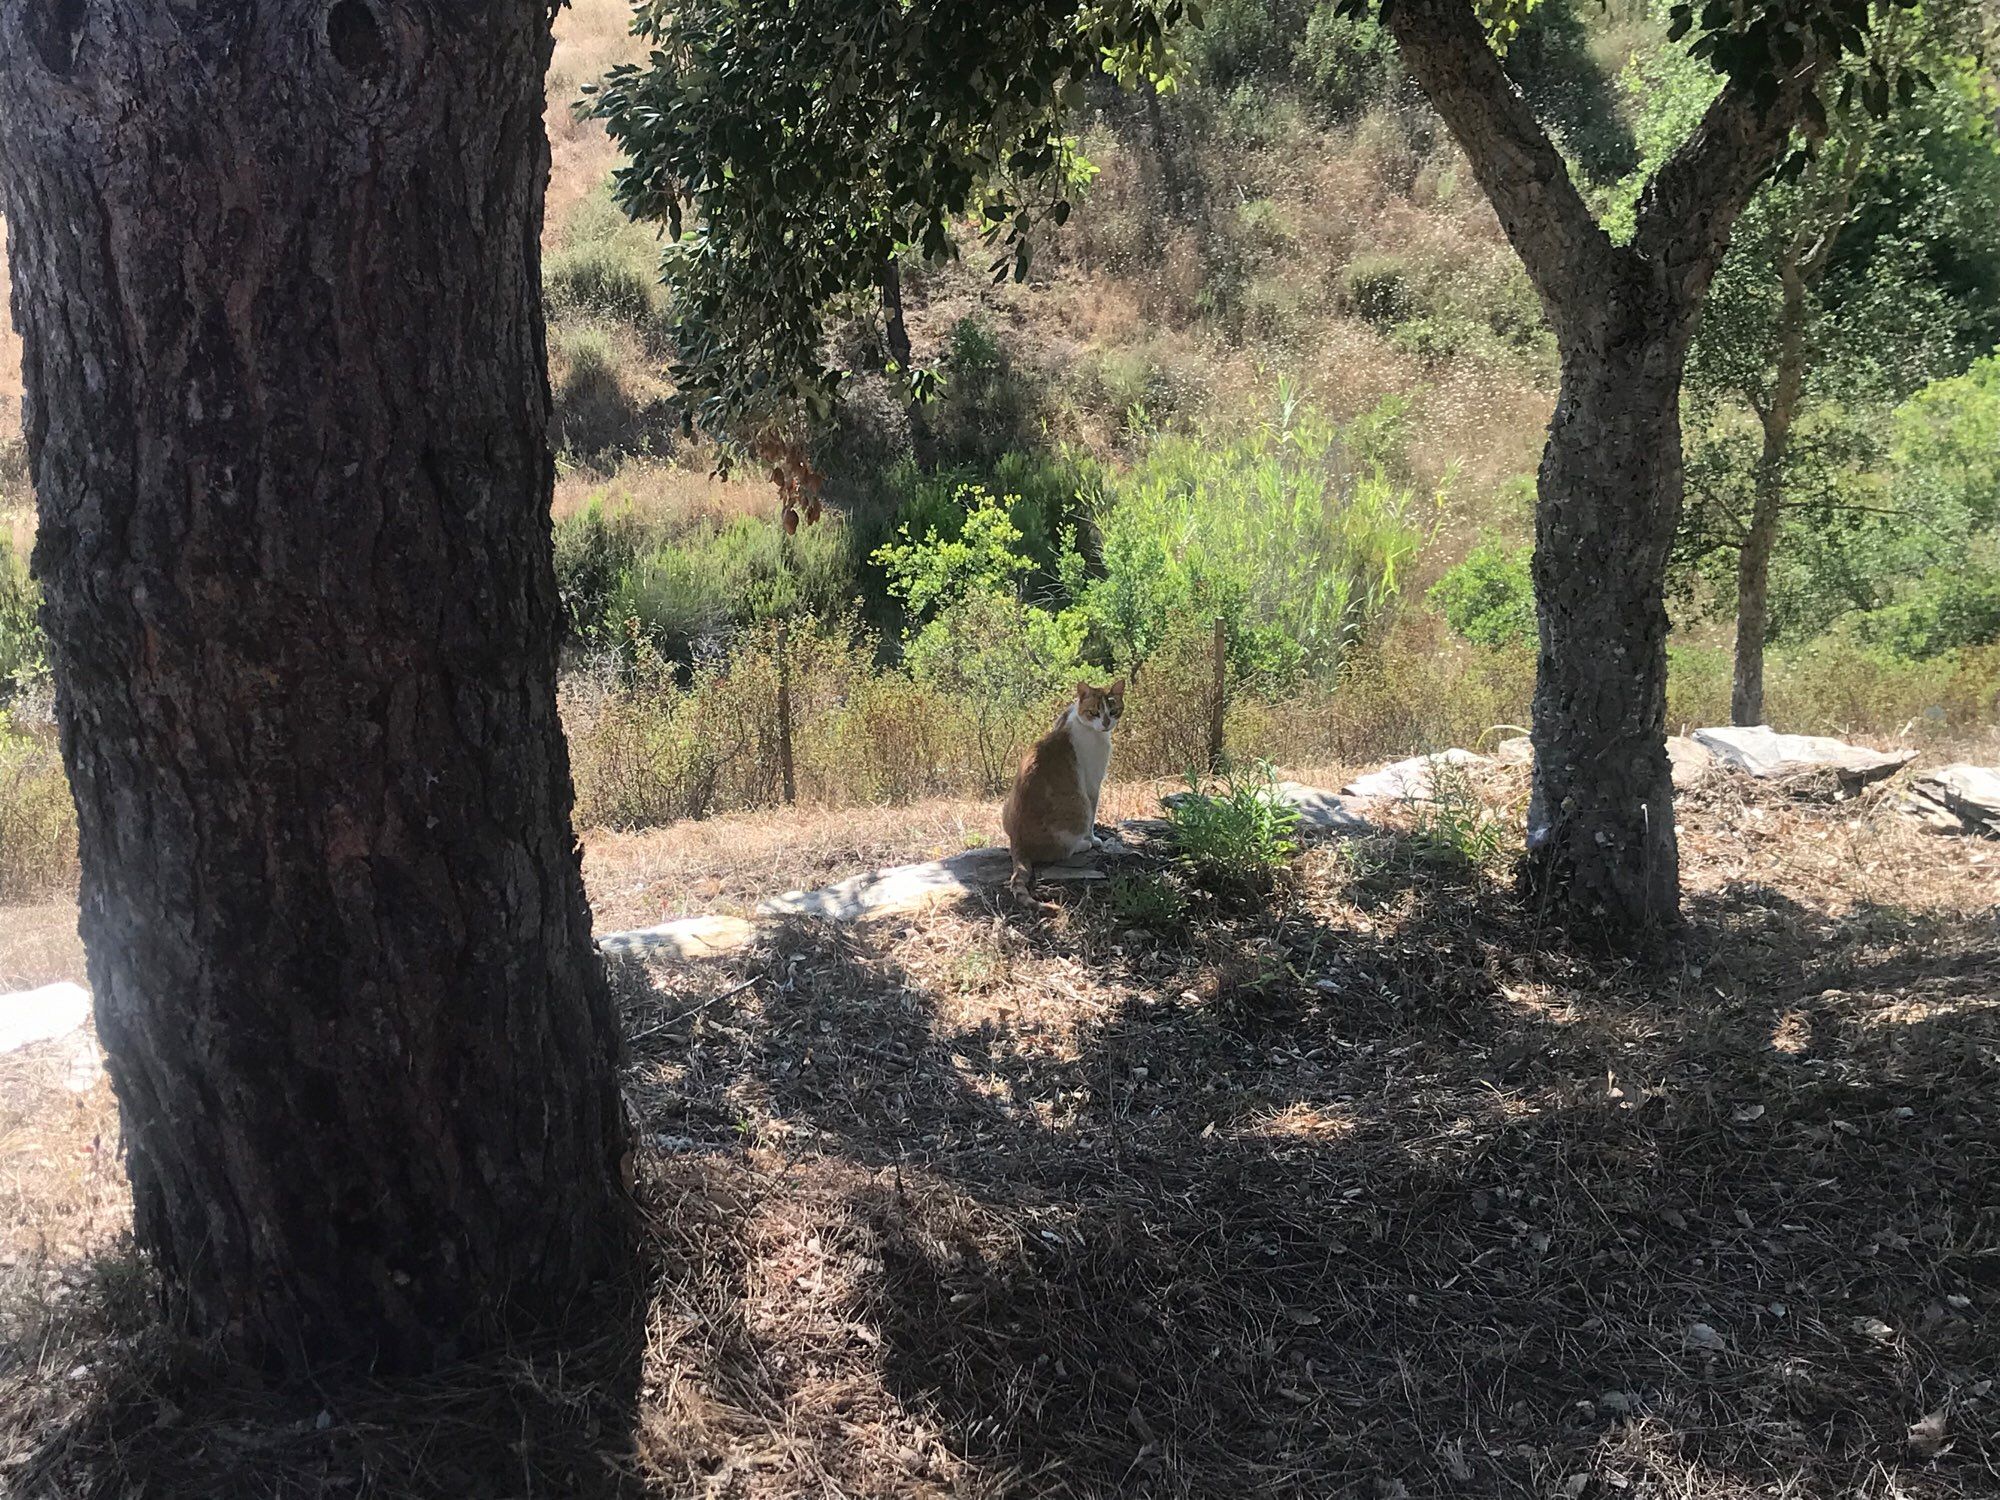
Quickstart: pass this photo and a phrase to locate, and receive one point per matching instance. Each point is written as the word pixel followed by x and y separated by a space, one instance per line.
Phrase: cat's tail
pixel 1023 878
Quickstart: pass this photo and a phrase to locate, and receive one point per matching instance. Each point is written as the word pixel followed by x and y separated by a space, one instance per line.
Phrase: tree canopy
pixel 791 150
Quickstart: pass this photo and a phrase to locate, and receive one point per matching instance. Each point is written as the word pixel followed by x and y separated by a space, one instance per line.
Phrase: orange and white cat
pixel 1052 811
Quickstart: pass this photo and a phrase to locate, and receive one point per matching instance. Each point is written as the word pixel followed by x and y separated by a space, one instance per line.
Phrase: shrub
pixel 1947 609
pixel 1378 288
pixel 1234 836
pixel 594 549
pixel 1147 901
pixel 23 650
pixel 1489 599
pixel 998 663
pixel 1455 826
pixel 1289 534
pixel 1346 62
pixel 37 819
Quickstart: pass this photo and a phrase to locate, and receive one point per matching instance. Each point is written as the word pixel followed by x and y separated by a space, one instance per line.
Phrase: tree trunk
pixel 1601 840
pixel 1753 561
pixel 276 274
pixel 895 331
pixel 1163 147
pixel 1601 816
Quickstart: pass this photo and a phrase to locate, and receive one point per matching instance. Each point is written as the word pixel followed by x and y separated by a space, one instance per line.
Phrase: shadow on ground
pixel 1376 1190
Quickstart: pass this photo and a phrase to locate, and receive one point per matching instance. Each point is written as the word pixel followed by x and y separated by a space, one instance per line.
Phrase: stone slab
pixel 1764 753
pixel 1958 798
pixel 1408 780
pixel 40 1015
pixel 684 937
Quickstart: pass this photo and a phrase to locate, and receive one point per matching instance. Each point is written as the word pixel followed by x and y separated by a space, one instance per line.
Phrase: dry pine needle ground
pixel 1378 1190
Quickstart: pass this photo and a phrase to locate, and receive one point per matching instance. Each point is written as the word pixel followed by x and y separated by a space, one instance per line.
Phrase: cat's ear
pixel 1082 688
pixel 1117 689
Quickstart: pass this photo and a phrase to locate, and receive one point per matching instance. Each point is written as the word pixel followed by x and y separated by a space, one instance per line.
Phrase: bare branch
pixel 1687 211
pixel 1521 171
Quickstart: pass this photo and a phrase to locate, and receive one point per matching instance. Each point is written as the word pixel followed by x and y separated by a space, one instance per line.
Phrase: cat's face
pixel 1101 707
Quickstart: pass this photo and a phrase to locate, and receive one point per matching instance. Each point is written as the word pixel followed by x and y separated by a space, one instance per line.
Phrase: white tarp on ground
pixel 29 1016
pixel 1409 780
pixel 1765 753
pixel 1958 799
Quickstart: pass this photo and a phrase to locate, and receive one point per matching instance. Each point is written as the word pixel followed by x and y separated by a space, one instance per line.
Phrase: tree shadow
pixel 1403 1193
pixel 1383 1190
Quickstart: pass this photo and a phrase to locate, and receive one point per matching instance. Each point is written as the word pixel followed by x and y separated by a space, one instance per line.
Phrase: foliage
pixel 620 580
pixel 1454 826
pixel 1149 901
pixel 23 649
pixel 1489 599
pixel 1294 534
pixel 941 570
pixel 1234 834
pixel 793 151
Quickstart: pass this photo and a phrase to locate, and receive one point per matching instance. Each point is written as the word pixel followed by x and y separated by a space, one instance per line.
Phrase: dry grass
pixel 591 36
pixel 1380 1191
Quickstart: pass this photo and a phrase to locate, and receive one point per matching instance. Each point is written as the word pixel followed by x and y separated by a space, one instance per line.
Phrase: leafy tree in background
pixel 1872 269
pixel 799 142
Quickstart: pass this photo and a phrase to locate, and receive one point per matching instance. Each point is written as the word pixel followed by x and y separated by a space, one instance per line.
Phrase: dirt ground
pixel 1376 1188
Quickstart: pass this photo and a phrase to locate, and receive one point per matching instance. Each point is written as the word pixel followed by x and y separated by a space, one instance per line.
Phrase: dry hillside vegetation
pixel 1379 1190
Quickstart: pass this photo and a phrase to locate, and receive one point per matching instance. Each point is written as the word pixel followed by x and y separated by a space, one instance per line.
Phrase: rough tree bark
pixel 1601 842
pixel 276 273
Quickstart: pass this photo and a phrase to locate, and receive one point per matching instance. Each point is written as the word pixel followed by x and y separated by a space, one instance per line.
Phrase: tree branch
pixel 1521 171
pixel 1686 212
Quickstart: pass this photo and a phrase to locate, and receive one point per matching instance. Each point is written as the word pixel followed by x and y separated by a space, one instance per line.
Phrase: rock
pixel 1409 780
pixel 684 937
pixel 1771 756
pixel 1958 799
pixel 1320 811
pixel 1688 760
pixel 1518 751
pixel 901 888
pixel 29 1016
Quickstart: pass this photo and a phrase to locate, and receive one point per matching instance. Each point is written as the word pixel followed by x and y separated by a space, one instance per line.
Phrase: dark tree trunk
pixel 1601 843
pixel 895 331
pixel 1601 816
pixel 1760 538
pixel 1163 147
pixel 275 269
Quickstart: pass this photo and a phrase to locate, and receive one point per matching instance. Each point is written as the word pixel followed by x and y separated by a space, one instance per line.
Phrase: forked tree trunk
pixel 1601 844
pixel 1601 816
pixel 275 270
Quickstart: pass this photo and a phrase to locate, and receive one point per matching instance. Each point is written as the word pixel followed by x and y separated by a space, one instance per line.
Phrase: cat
pixel 1052 811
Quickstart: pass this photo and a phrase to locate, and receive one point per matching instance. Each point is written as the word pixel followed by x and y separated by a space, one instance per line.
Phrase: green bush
pixel 1293 534
pixel 1949 608
pixel 1489 599
pixel 1150 901
pixel 1233 835
pixel 1000 664
pixel 1455 827
pixel 1379 289
pixel 23 649
pixel 1346 63
pixel 594 549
